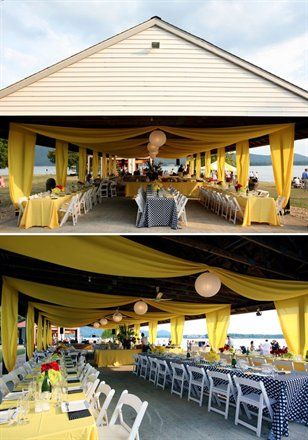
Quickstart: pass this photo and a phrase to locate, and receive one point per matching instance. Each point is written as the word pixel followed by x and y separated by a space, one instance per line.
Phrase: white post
pixel 131 165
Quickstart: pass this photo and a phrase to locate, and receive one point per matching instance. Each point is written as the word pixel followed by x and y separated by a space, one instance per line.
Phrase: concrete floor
pixel 169 417
pixel 118 215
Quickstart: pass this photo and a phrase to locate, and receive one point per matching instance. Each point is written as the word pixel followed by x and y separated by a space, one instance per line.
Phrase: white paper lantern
pixel 207 284
pixel 103 321
pixel 157 138
pixel 140 307
pixel 117 317
pixel 152 148
pixel 96 325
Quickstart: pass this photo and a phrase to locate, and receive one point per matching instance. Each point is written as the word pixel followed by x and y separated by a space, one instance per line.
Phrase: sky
pixel 272 34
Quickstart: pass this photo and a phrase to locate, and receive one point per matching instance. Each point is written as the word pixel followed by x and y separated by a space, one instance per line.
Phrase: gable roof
pixel 155 21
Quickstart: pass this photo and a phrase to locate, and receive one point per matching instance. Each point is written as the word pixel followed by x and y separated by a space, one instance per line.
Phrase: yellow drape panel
pixel 192 166
pixel 95 164
pixel 30 330
pixel 221 157
pixel 39 335
pixel 44 339
pixel 293 318
pixel 21 163
pixel 198 165
pixel 208 163
pixel 137 330
pixel 109 165
pixel 194 139
pixel 82 164
pixel 114 165
pixel 49 334
pixel 152 331
pixel 177 328
pixel 242 162
pixel 61 162
pixel 104 166
pixel 111 255
pixel 9 321
pixel 217 326
pixel 282 152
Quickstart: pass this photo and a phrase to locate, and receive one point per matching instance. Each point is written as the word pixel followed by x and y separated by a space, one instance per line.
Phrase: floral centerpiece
pixel 226 347
pixel 50 376
pixel 210 180
pixel 238 186
pixel 219 182
pixel 58 190
pixel 280 351
pixel 158 349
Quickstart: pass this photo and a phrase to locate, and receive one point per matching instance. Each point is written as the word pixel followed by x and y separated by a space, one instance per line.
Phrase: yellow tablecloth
pixel 43 212
pixel 50 425
pixel 189 189
pixel 103 358
pixel 255 209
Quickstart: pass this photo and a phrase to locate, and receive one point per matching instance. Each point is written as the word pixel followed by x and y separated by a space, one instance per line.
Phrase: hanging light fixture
pixel 153 155
pixel 152 148
pixel 117 316
pixel 96 325
pixel 140 307
pixel 103 321
pixel 157 138
pixel 207 284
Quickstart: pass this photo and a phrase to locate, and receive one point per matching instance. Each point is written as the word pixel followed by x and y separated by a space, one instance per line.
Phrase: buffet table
pixel 116 358
pixel 188 189
pixel 255 209
pixel 43 211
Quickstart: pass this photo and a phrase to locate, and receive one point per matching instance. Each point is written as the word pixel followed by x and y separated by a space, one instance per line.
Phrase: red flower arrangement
pixel 50 366
pixel 238 186
pixel 225 348
pixel 219 182
pixel 60 187
pixel 279 351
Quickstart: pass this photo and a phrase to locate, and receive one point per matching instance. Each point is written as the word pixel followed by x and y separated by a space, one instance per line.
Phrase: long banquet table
pixel 188 189
pixel 43 211
pixel 289 390
pixel 255 209
pixel 116 358
pixel 50 425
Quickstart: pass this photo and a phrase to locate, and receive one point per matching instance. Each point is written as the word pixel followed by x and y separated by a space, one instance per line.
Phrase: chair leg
pixel 259 425
pixel 237 411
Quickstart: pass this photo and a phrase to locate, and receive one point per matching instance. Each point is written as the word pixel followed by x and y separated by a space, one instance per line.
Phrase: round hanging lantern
pixel 157 138
pixel 207 284
pixel 96 325
pixel 152 148
pixel 103 321
pixel 117 317
pixel 140 307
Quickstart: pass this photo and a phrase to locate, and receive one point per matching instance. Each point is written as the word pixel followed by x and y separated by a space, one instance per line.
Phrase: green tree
pixel 3 153
pixel 72 158
pixel 107 334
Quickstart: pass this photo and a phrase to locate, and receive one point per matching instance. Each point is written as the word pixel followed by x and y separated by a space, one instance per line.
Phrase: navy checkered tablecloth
pixel 158 211
pixel 290 392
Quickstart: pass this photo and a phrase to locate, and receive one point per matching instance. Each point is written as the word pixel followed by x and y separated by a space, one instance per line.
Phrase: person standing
pixel 305 178
pixel 144 343
pixel 266 348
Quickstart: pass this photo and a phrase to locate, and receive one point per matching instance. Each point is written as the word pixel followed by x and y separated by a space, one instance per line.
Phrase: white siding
pixel 130 78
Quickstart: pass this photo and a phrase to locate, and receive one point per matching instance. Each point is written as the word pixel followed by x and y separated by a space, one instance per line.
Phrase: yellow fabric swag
pixel 39 335
pixel 61 162
pixel 242 162
pixel 152 332
pixel 221 158
pixel 95 164
pixel 217 323
pixel 30 331
pixel 177 328
pixel 208 163
pixel 82 164
pixel 9 332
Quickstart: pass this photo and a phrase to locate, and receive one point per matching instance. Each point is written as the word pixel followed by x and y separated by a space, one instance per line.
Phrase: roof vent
pixel 155 44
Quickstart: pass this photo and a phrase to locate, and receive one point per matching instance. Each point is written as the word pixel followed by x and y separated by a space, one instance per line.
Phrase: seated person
pixel 89 179
pixel 50 184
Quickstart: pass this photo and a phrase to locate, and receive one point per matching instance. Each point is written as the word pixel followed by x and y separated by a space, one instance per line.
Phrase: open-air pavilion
pixel 74 281
pixel 108 99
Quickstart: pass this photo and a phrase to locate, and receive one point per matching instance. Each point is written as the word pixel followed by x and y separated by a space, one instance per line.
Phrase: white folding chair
pixel 181 209
pixel 234 209
pixel 140 203
pixel 113 189
pixel 4 388
pixel 286 365
pixel 163 373
pixel 179 378
pixel 221 387
pixel 103 190
pixel 153 370
pixel 70 209
pixel 256 397
pixel 144 366
pixel 123 431
pixel 100 410
pixel 136 366
pixel 22 202
pixel 91 386
pixel 198 381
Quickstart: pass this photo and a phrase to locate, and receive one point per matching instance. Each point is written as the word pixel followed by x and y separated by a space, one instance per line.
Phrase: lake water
pixel 236 342
pixel 265 172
